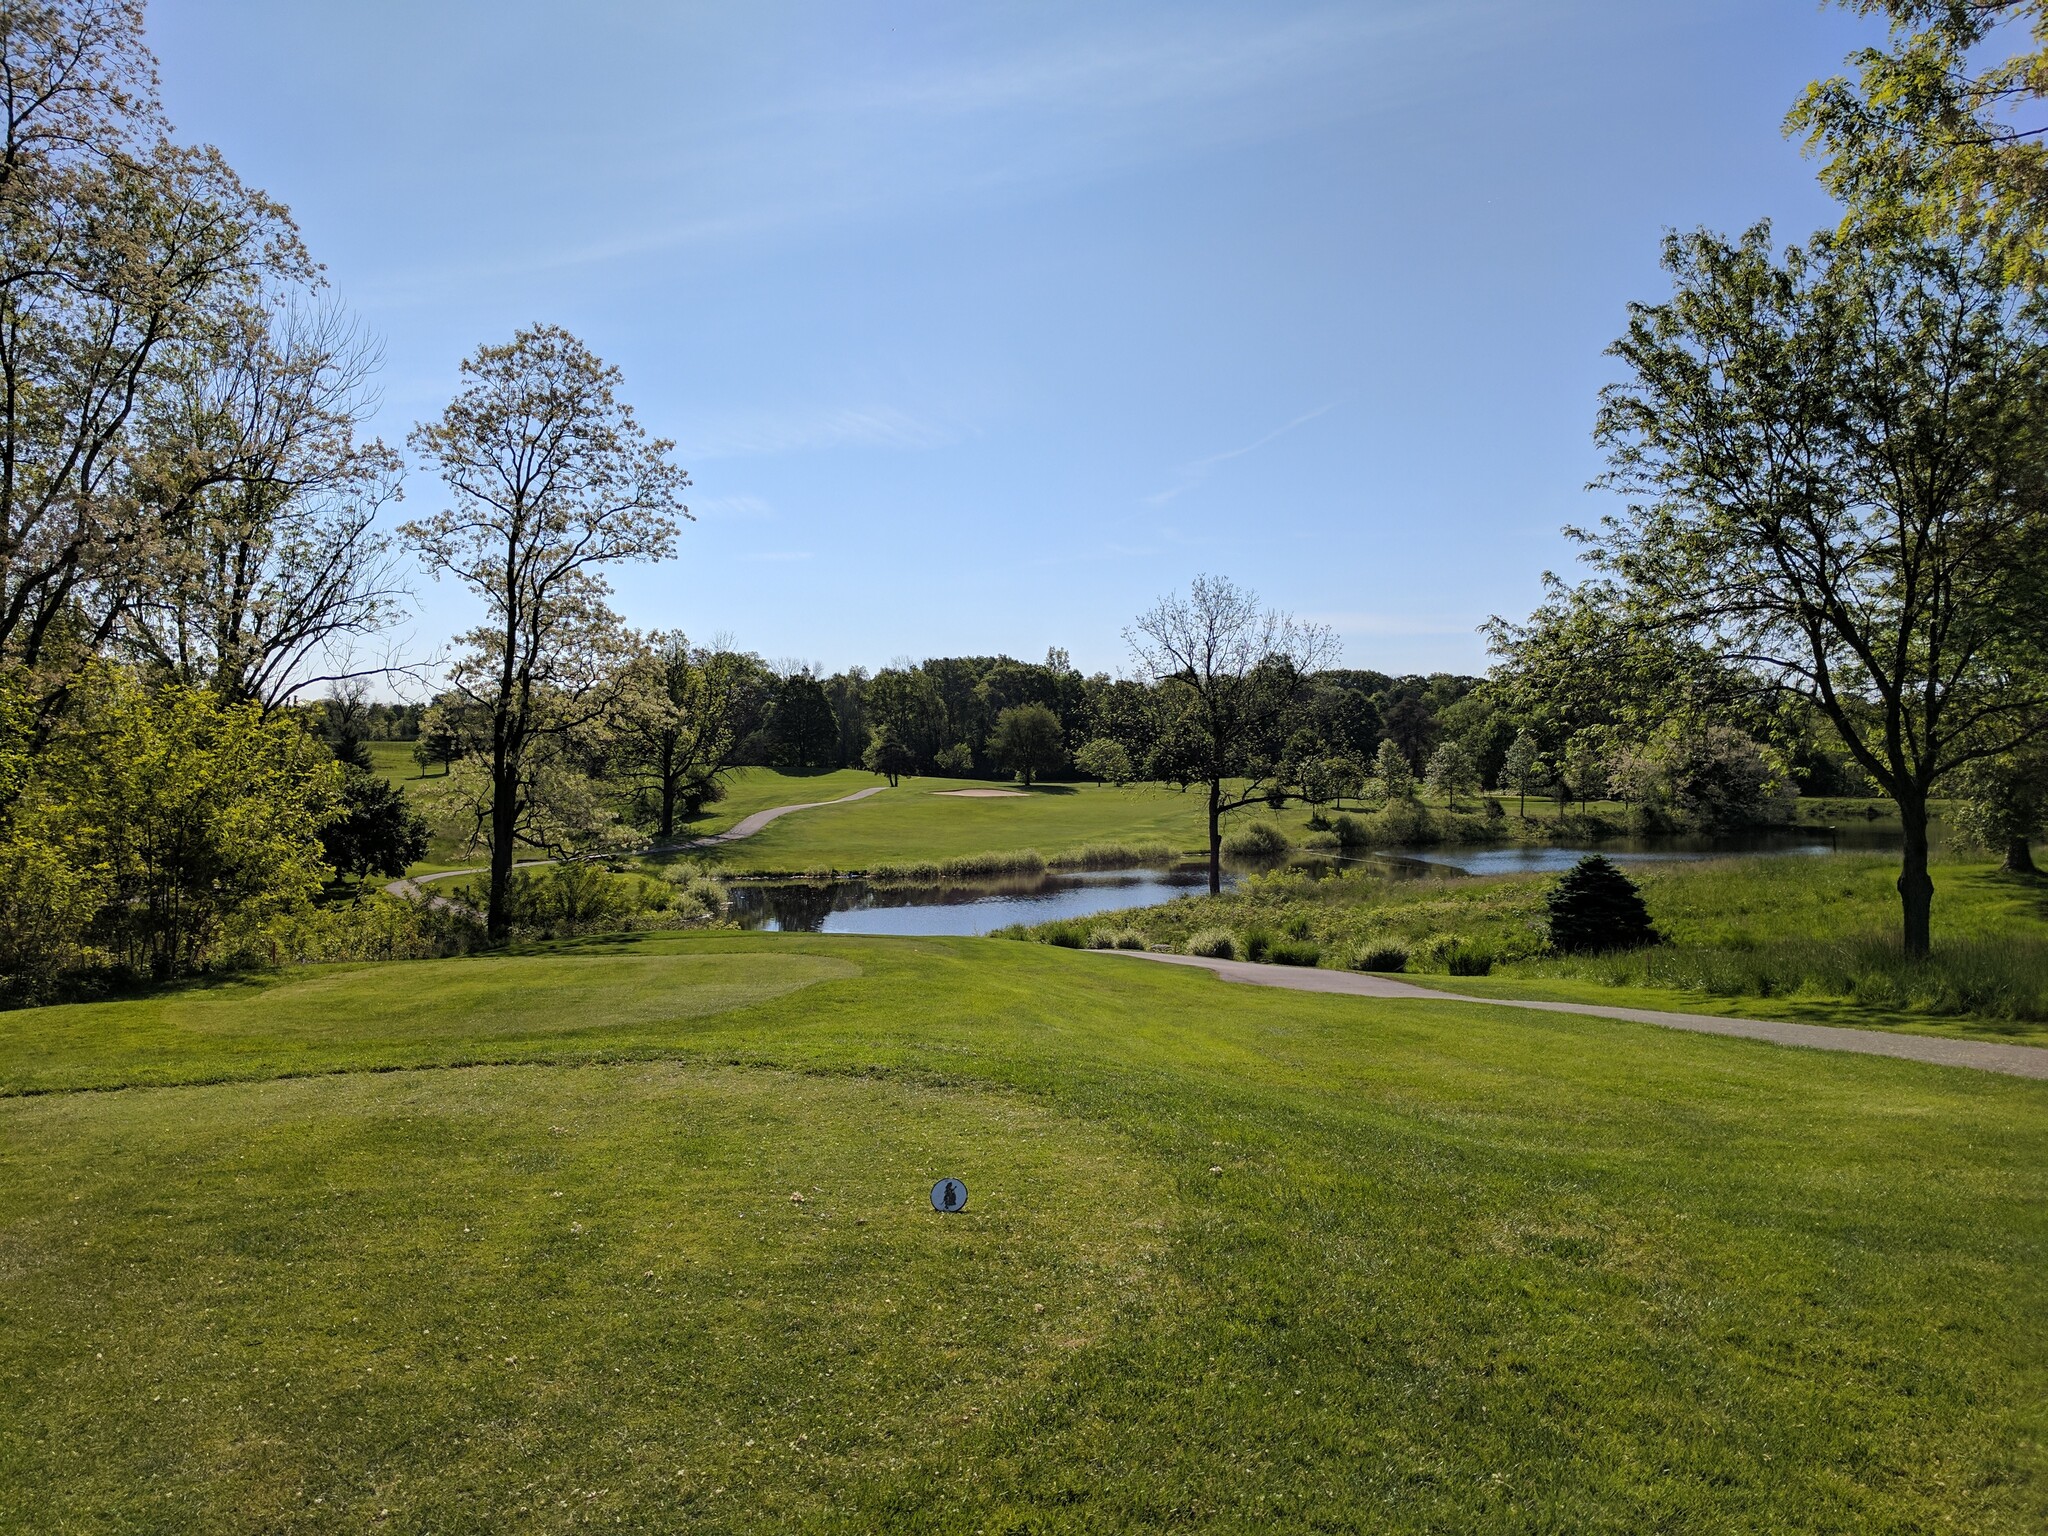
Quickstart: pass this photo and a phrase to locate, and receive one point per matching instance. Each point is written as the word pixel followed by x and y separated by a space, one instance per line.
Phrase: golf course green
pixel 634 1233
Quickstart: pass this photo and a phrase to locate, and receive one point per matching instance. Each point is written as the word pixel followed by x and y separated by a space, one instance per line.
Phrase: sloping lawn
pixel 1304 1263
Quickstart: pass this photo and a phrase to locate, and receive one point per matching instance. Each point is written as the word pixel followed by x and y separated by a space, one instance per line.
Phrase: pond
pixel 860 906
pixel 979 907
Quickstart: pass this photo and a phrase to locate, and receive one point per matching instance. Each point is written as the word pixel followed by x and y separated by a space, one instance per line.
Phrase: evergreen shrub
pixel 1594 907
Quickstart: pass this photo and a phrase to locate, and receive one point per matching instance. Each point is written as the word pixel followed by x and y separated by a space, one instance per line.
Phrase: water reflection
pixel 979 907
pixel 860 906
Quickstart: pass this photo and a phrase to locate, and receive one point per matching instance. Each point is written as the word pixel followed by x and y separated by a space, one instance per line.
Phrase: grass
pixel 1801 938
pixel 1233 1259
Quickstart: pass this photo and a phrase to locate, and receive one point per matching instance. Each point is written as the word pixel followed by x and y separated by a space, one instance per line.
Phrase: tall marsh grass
pixel 1992 979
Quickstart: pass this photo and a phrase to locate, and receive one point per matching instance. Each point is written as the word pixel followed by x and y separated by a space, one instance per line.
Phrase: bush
pixel 1132 938
pixel 1213 944
pixel 1595 907
pixel 1257 840
pixel 1102 938
pixel 1462 959
pixel 1380 957
pixel 1350 831
pixel 1257 944
pixel 1294 952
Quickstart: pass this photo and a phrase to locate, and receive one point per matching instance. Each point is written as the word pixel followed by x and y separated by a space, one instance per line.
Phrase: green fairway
pixel 1304 1263
pixel 916 821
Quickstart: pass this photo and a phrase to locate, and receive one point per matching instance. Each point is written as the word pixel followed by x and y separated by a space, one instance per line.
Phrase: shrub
pixel 1257 943
pixel 1462 959
pixel 1102 938
pixel 1257 840
pixel 1380 957
pixel 1595 907
pixel 1132 938
pixel 1213 944
pixel 1294 952
pixel 1350 831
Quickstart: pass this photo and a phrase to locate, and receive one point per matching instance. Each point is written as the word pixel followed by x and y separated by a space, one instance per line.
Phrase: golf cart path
pixel 1983 1055
pixel 746 826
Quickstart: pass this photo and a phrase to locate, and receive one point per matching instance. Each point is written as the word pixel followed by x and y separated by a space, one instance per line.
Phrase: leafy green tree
pixel 1837 482
pixel 1935 136
pixel 2002 805
pixel 1522 770
pixel 374 829
pixel 1105 761
pixel 1391 771
pixel 887 756
pixel 550 481
pixel 681 714
pixel 1028 741
pixel 1451 772
pixel 1231 680
pixel 802 727
pixel 205 817
pixel 126 261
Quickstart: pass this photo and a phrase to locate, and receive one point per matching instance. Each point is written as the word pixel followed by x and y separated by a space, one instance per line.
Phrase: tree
pixel 1842 491
pixel 1585 766
pixel 1390 768
pixel 681 716
pixel 1028 741
pixel 204 816
pixel 1595 907
pixel 375 830
pixel 2002 804
pixel 268 559
pixel 1723 781
pixel 551 480
pixel 1106 761
pixel 887 756
pixel 1523 769
pixel 1935 136
pixel 802 728
pixel 1231 679
pixel 1451 770
pixel 124 260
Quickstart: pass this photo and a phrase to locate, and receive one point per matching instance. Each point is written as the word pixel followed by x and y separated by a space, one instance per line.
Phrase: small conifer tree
pixel 1595 907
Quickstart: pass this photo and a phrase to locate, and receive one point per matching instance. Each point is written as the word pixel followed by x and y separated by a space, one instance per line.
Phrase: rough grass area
pixel 1809 937
pixel 1306 1263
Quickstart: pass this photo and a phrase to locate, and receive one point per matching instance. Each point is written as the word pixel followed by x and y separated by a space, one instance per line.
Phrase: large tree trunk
pixel 1916 888
pixel 504 821
pixel 1215 838
pixel 2019 858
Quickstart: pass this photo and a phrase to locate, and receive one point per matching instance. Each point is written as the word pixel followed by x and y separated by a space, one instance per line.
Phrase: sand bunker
pixel 984 794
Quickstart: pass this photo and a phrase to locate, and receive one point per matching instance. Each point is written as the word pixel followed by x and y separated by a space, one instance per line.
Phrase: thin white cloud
pixel 1086 103
pixel 1194 474
pixel 875 426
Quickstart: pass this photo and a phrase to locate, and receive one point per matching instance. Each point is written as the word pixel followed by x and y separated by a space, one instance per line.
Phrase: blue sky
pixel 978 326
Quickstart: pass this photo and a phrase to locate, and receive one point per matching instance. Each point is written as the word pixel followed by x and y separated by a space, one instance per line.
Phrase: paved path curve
pixel 1983 1055
pixel 411 889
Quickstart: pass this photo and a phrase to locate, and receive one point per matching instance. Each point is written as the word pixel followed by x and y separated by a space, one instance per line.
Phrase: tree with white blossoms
pixel 551 479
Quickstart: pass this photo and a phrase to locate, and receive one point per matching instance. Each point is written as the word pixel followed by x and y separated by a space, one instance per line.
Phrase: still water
pixel 979 907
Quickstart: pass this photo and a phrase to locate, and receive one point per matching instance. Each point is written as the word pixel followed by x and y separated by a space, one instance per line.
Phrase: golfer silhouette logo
pixel 948 1196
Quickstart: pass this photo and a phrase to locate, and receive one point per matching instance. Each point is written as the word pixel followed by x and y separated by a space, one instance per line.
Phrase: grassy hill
pixel 509 1244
